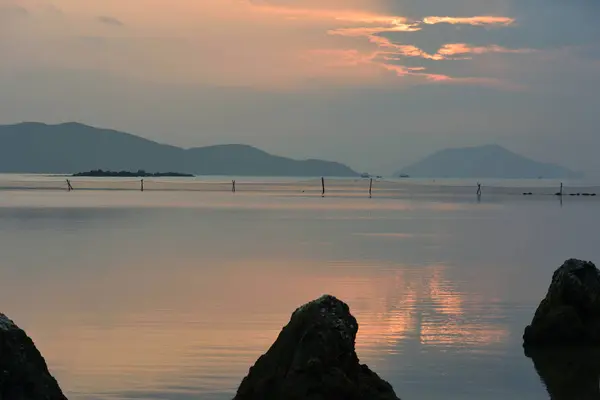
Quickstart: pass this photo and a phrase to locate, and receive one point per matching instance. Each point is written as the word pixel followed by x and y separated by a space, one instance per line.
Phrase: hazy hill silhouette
pixel 489 161
pixel 73 147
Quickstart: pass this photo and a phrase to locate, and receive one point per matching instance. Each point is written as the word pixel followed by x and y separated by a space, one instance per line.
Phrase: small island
pixel 129 174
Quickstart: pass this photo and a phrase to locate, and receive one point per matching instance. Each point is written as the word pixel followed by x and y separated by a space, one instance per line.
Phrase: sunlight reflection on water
pixel 174 296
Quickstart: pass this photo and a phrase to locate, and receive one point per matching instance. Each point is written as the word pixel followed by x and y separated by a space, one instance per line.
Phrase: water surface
pixel 173 295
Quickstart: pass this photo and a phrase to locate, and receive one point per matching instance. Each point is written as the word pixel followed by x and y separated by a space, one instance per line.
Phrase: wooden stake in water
pixel 233 186
pixel 370 187
pixel 322 187
pixel 560 192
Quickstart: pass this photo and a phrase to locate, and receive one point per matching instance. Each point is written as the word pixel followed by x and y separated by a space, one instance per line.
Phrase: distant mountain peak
pixel 34 123
pixel 485 161
pixel 72 124
pixel 236 146
pixel 41 125
pixel 483 147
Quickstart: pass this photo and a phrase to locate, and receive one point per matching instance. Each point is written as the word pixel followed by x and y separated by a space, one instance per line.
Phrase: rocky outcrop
pixel 568 373
pixel 314 358
pixel 23 371
pixel 570 312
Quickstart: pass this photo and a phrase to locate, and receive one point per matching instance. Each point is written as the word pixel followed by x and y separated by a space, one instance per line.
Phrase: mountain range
pixel 489 161
pixel 73 147
pixel 32 147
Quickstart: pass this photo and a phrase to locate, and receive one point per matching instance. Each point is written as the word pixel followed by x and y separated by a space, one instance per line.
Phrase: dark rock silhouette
pixel 23 371
pixel 314 358
pixel 570 312
pixel 568 373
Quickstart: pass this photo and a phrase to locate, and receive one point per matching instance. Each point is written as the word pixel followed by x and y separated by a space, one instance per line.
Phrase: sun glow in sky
pixel 415 75
pixel 239 42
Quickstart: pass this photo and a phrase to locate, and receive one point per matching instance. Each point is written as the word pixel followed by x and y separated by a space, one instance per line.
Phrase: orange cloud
pixel 367 31
pixel 387 54
pixel 453 49
pixel 446 52
pixel 238 42
pixel 387 51
pixel 390 49
pixel 420 76
pixel 475 21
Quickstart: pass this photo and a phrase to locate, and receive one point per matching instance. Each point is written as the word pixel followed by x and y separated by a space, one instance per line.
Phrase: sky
pixel 376 84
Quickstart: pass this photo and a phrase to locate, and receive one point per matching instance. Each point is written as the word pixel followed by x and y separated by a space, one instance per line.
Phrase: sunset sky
pixel 376 84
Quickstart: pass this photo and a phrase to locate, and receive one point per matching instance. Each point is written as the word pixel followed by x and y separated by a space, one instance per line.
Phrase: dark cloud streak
pixel 110 21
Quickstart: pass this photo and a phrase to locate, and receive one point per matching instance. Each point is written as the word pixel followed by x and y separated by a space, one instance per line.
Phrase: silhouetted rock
pixel 314 358
pixel 23 371
pixel 570 312
pixel 568 373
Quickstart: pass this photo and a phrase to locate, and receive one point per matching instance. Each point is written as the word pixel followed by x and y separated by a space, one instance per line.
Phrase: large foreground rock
pixel 568 373
pixel 314 358
pixel 23 371
pixel 570 312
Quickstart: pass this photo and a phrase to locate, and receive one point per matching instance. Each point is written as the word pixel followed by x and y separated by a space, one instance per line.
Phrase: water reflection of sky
pixel 178 302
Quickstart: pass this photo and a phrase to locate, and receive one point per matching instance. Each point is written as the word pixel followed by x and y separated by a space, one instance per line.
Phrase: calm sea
pixel 174 295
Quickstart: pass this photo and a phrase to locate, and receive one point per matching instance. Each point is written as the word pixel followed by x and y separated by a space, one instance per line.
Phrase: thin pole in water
pixel 370 187
pixel 560 192
pixel 142 185
pixel 322 187
pixel 233 186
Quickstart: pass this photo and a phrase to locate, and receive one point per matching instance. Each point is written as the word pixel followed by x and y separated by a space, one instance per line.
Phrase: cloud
pixel 475 21
pixel 272 44
pixel 285 75
pixel 456 49
pixel 390 55
pixel 111 21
